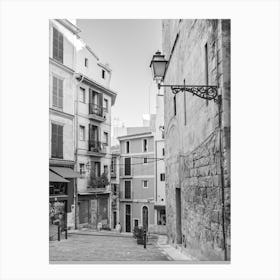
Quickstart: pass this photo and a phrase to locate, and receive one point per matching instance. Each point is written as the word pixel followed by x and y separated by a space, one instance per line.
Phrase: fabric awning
pixel 65 172
pixel 56 178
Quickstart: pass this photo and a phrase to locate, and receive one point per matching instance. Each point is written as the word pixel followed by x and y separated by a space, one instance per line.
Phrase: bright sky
pixel 128 46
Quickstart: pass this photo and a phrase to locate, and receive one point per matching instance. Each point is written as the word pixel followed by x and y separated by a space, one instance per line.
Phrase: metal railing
pixel 96 146
pixel 96 109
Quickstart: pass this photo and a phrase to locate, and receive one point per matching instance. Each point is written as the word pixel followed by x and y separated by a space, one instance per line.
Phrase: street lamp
pixel 159 65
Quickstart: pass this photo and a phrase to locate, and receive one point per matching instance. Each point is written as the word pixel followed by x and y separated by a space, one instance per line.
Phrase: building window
pixel 136 222
pixel 145 184
pixel 163 152
pixel 57 45
pixel 114 189
pixel 174 105
pixel 106 104
pixel 82 95
pixel 106 138
pixel 162 176
pixel 127 166
pixel 58 189
pixel 127 147
pixel 145 160
pixel 96 168
pixel 82 133
pixel 103 74
pixel 86 62
pixel 106 169
pixel 127 189
pixel 145 145
pixel 57 141
pixel 82 169
pixel 57 92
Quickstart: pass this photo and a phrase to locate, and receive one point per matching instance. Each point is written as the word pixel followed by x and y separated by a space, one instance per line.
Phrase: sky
pixel 127 46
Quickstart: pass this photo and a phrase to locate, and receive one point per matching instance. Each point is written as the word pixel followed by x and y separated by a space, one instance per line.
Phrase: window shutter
pixel 127 167
pixel 60 93
pixel 55 96
pixel 60 141
pixel 54 140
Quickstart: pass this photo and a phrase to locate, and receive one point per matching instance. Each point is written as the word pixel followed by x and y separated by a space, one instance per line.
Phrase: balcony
pixel 99 184
pixel 96 112
pixel 96 148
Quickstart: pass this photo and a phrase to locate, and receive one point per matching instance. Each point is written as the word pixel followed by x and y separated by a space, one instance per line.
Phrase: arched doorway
pixel 145 221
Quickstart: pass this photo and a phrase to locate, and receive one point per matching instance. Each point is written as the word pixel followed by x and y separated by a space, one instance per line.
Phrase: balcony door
pixel 96 102
pixel 93 133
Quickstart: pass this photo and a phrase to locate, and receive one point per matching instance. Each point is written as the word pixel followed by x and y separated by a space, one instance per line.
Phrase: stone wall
pixel 205 223
pixel 197 155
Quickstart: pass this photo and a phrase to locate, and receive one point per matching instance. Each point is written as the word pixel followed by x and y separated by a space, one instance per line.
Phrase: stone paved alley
pixel 93 247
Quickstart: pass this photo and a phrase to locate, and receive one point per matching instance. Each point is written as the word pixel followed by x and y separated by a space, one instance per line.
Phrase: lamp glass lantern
pixel 158 65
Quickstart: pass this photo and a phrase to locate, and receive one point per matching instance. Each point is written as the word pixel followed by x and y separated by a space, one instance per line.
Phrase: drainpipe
pixel 76 149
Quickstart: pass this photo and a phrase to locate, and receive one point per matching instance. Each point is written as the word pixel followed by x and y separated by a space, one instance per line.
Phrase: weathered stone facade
pixel 198 138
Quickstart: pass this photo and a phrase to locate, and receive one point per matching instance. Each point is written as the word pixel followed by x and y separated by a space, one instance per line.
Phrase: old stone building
pixel 62 178
pixel 197 135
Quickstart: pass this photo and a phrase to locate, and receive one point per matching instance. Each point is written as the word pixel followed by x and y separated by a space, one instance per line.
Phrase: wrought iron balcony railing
pixel 96 146
pixel 96 109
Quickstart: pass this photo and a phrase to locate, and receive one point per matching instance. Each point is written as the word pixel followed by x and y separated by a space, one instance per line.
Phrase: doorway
pixel 128 218
pixel 178 217
pixel 114 219
pixel 145 217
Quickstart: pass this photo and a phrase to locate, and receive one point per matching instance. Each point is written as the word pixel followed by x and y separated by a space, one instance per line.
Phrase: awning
pixel 65 172
pixel 56 178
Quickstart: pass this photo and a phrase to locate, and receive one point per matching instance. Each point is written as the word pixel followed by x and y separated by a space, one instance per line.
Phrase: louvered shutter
pixel 127 166
pixel 60 93
pixel 60 141
pixel 54 140
pixel 54 92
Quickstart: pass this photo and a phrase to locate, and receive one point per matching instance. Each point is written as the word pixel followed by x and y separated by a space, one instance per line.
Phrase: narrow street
pixel 96 247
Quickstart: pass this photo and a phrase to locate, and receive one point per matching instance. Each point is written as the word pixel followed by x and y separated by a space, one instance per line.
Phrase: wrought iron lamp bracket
pixel 204 92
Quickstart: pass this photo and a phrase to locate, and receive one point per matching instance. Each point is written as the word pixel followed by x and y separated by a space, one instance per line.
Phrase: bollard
pixel 66 233
pixel 144 238
pixel 58 233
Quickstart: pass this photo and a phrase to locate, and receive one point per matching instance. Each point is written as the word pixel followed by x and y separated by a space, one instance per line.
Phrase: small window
pixel 145 160
pixel 163 152
pixel 136 222
pixel 145 184
pixel 106 138
pixel 127 147
pixel 106 169
pixel 86 62
pixel 82 95
pixel 145 145
pixel 103 74
pixel 82 133
pixel 162 176
pixel 106 104
pixel 82 169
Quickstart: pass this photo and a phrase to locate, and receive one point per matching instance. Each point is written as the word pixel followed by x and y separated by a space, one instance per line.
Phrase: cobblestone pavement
pixel 91 247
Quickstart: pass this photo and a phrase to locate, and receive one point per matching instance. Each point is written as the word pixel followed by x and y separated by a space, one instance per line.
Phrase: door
pixel 145 217
pixel 83 212
pixel 128 218
pixel 178 217
pixel 114 219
